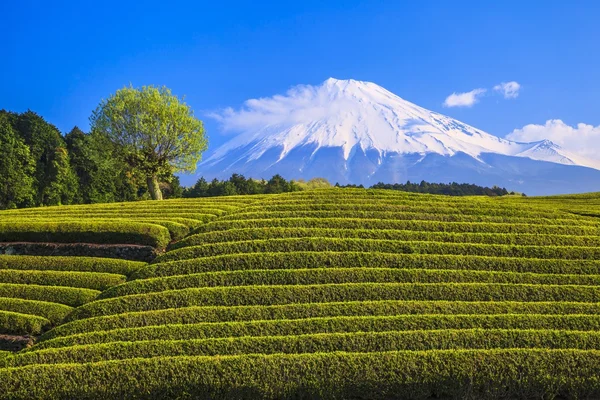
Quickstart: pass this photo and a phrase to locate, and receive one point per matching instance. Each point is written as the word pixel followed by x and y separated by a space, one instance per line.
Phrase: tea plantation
pixel 337 293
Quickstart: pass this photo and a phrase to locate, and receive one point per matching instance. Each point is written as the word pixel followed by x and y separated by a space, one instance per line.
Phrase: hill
pixel 365 134
pixel 336 293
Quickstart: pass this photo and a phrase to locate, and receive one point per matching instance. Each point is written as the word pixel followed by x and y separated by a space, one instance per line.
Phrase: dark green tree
pixel 53 174
pixel 16 168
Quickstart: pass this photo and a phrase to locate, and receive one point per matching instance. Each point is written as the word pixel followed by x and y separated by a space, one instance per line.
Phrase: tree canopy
pixel 156 132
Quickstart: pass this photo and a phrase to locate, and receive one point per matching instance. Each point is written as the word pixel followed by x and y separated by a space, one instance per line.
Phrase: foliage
pixel 54 178
pixel 482 374
pixel 448 189
pixel 57 263
pixel 371 259
pixel 86 232
pixel 54 294
pixel 102 176
pixel 239 185
pixel 54 312
pixel 16 168
pixel 14 323
pixel 157 134
pixel 108 325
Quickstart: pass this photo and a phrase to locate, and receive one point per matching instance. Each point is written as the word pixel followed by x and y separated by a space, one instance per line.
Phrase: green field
pixel 337 293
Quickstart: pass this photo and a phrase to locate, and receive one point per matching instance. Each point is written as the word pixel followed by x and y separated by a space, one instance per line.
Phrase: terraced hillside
pixel 337 293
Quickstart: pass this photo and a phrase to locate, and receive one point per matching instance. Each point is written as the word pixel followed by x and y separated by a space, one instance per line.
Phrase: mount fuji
pixel 358 132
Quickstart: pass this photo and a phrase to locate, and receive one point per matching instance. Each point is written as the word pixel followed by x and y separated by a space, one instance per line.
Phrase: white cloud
pixel 510 90
pixel 301 104
pixel 464 99
pixel 582 139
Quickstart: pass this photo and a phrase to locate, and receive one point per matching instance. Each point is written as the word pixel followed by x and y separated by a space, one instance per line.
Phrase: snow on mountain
pixel 356 132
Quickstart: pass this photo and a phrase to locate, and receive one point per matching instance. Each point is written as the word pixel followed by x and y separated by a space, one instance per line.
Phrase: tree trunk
pixel 154 188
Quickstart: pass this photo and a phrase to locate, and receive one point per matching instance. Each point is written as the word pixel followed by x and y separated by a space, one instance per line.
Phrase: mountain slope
pixel 357 132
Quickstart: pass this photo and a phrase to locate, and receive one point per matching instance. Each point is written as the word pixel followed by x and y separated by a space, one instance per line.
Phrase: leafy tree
pixel 277 184
pixel 156 132
pixel 200 189
pixel 53 174
pixel 103 176
pixel 64 187
pixel 16 167
pixel 173 189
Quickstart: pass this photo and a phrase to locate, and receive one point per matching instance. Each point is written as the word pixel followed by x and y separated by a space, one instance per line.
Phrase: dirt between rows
pixel 122 251
pixel 15 342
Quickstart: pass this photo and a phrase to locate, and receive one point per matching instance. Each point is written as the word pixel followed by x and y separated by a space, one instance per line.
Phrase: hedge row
pixel 55 294
pixel 314 276
pixel 388 234
pixel 285 294
pixel 86 232
pixel 481 374
pixel 328 325
pixel 53 312
pixel 380 245
pixel 393 223
pixel 176 230
pixel 90 280
pixel 118 215
pixel 422 216
pixel 14 323
pixel 150 211
pixel 316 343
pixel 196 314
pixel 57 263
pixel 412 207
pixel 311 259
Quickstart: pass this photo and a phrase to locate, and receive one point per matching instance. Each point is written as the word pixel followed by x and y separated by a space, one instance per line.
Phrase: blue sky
pixel 60 58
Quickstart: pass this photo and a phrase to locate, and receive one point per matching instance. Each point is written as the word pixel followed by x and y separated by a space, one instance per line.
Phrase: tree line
pixel 448 189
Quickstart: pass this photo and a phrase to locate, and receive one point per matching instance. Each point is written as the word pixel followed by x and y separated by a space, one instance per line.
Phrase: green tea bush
pixel 363 342
pixel 482 374
pixel 197 314
pixel 286 327
pixel 235 235
pixel 319 244
pixel 393 223
pixel 58 263
pixel 55 294
pixel 311 259
pixel 340 275
pixel 90 280
pixel 86 232
pixel 285 294
pixel 14 323
pixel 53 312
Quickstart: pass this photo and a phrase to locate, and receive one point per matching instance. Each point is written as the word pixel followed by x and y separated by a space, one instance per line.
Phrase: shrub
pixel 266 295
pixel 366 342
pixel 233 235
pixel 198 314
pixel 53 312
pixel 392 223
pixel 482 374
pixel 57 263
pixel 86 232
pixel 13 323
pixel 90 280
pixel 314 276
pixel 319 244
pixel 55 294
pixel 311 259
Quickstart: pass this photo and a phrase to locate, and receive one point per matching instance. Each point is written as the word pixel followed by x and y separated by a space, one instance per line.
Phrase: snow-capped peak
pixel 352 115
